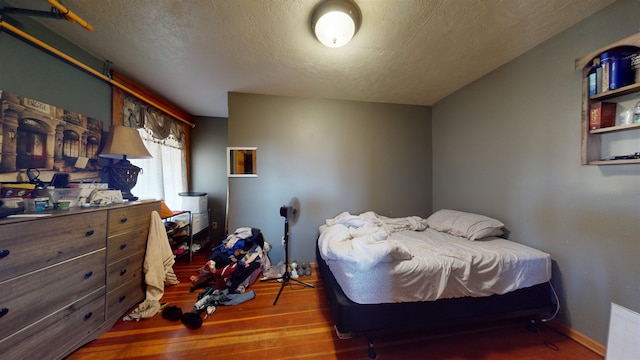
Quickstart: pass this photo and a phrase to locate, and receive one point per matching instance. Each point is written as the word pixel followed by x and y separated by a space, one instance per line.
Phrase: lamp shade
pixel 124 142
pixel 335 22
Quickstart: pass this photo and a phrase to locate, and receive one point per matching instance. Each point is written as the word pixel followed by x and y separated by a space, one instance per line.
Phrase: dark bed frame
pixel 368 320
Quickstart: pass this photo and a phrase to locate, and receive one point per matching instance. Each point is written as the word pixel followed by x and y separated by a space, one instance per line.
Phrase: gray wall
pixel 331 156
pixel 208 167
pixel 508 146
pixel 29 71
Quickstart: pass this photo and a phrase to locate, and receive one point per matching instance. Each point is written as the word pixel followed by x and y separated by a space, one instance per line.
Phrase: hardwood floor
pixel 299 326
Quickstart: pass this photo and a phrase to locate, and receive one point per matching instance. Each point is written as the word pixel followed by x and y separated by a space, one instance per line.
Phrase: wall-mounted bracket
pixel 58 11
pixel 54 13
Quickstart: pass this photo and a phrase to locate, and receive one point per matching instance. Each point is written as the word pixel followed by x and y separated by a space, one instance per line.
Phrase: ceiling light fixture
pixel 335 22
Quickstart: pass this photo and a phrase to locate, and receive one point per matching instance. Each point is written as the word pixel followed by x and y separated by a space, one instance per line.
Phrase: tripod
pixel 287 275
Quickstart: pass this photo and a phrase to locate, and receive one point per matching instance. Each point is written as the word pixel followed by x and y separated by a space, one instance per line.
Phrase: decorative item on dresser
pixel 124 142
pixel 53 276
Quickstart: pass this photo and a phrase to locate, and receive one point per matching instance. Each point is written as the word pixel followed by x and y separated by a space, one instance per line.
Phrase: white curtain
pixel 164 175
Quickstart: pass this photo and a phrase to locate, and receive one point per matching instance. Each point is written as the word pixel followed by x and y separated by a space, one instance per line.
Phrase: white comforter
pixel 376 259
pixel 363 240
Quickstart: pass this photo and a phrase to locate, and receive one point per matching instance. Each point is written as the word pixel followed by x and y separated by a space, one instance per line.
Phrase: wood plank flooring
pixel 299 326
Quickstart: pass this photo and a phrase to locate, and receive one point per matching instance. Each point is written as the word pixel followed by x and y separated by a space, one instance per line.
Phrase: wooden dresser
pixel 66 278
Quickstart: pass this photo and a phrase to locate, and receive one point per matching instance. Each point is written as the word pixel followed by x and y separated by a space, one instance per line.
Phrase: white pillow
pixel 467 225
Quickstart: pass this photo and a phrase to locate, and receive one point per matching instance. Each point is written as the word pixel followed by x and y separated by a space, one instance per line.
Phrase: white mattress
pixel 444 266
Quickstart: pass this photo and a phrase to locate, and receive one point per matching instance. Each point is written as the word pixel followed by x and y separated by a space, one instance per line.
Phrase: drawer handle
pixel 88 275
pixel 4 253
pixel 123 220
pixel 122 246
pixel 89 233
pixel 88 316
pixel 123 271
pixel 3 312
pixel 121 299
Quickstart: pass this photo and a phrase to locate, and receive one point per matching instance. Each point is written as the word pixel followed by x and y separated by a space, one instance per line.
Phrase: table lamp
pixel 124 142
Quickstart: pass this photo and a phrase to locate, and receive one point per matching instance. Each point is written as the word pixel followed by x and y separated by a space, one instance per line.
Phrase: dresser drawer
pixel 57 334
pixel 130 218
pixel 123 298
pixel 33 245
pixel 126 244
pixel 30 297
pixel 125 270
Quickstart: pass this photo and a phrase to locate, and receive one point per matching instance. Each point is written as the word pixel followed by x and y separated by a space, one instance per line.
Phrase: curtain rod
pixel 183 117
pixel 70 15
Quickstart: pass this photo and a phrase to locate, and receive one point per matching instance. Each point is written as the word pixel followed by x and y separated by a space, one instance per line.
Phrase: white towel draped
pixel 158 269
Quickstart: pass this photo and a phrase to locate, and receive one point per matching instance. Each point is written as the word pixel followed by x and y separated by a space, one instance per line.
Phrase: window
pixel 163 176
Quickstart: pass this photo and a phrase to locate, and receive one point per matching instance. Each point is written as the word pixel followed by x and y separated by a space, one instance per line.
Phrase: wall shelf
pixel 625 90
pixel 591 147
pixel 615 128
pixel 615 162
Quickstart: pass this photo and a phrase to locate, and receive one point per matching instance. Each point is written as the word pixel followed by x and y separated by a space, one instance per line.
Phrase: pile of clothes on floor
pixel 233 266
pixel 207 303
pixel 236 263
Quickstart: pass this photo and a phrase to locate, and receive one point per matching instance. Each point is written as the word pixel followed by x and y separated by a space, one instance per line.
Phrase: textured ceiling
pixel 193 52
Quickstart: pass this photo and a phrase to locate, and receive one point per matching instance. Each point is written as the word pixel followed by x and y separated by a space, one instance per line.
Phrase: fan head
pixel 291 211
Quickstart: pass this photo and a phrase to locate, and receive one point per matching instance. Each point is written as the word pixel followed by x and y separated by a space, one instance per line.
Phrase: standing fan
pixel 290 215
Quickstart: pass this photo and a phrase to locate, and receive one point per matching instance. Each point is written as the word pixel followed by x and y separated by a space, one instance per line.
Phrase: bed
pixel 384 274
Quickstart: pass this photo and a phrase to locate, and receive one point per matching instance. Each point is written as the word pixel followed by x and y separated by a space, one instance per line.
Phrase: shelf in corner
pixel 615 162
pixel 615 128
pixel 625 90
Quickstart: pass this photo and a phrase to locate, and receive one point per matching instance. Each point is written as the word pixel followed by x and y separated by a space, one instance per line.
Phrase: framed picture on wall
pixel 242 161
pixel 37 135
